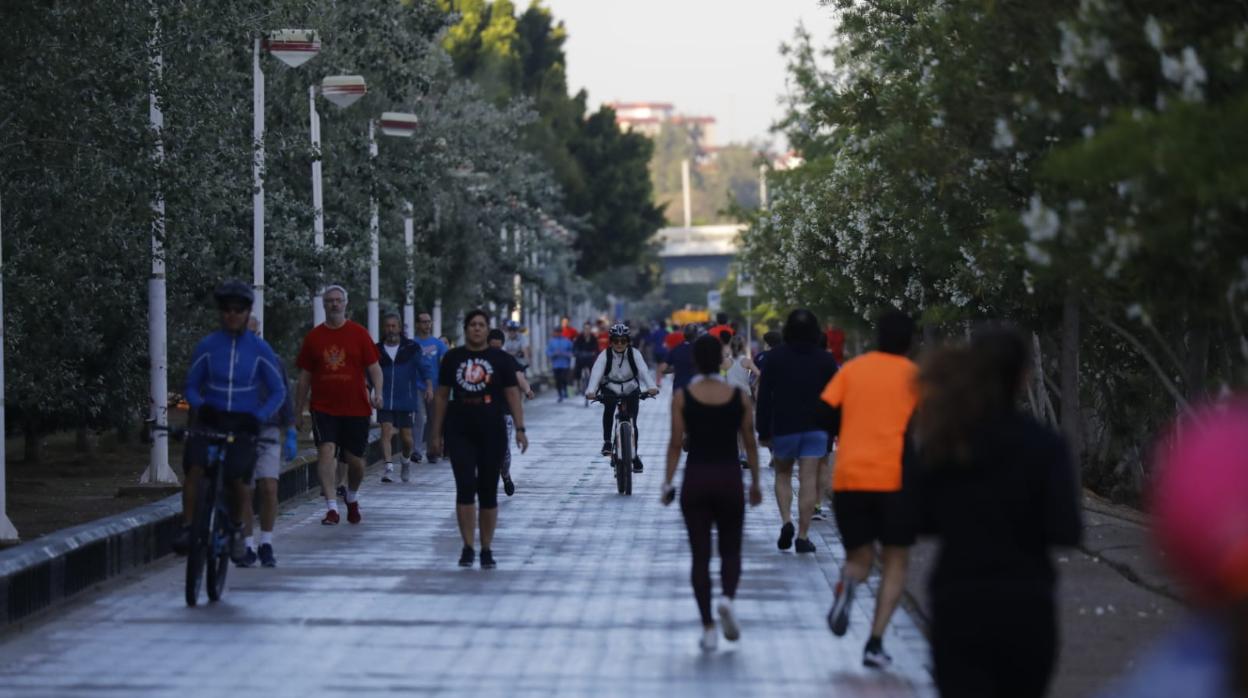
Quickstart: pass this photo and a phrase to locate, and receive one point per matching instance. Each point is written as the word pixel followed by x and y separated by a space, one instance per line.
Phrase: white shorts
pixel 269 455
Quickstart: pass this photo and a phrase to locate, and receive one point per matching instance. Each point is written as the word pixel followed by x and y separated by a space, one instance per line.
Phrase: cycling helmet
pixel 233 289
pixel 513 325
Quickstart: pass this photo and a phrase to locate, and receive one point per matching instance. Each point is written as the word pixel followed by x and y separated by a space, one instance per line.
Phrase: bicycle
pixel 623 442
pixel 211 530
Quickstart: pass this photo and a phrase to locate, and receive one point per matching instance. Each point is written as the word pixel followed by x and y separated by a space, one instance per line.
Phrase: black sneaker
pixel 510 488
pixel 487 559
pixel 266 556
pixel 238 546
pixel 182 541
pixel 786 536
pixel 466 556
pixel 874 656
pixel 838 616
pixel 342 492
pixel 637 465
pixel 803 545
pixel 416 457
pixel 249 559
pixel 606 448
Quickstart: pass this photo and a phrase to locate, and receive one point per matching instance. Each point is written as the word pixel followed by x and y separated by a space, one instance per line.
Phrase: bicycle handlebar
pixel 226 436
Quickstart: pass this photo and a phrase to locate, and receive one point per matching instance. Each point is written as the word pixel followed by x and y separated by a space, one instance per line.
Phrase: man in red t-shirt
pixel 333 361
pixel 566 329
pixel 721 326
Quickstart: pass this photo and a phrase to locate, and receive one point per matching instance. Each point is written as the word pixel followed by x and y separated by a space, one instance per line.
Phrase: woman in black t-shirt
pixel 474 384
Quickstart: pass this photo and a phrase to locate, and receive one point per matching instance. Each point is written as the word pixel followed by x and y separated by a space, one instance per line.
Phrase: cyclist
pixel 228 368
pixel 618 374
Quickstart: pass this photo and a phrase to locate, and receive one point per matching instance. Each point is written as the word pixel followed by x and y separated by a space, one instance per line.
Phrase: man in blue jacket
pixel 432 350
pixel 230 369
pixel 406 384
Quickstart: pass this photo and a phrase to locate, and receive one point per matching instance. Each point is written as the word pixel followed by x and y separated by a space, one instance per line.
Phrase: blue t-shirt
pixel 559 349
pixel 432 350
pixel 683 368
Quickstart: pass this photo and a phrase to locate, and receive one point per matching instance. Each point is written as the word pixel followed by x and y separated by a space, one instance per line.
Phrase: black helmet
pixel 619 329
pixel 233 289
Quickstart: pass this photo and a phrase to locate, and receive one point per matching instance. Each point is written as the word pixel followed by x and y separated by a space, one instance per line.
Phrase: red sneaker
pixel 353 512
pixel 331 518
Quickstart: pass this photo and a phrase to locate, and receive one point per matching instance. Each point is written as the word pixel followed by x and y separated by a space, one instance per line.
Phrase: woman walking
pixel 714 414
pixel 475 381
pixel 998 491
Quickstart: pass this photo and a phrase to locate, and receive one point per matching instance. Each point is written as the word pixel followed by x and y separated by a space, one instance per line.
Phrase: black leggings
pixel 713 495
pixel 994 645
pixel 477 445
pixel 561 382
pixel 609 401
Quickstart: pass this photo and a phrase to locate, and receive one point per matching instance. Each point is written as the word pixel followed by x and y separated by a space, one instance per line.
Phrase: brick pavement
pixel 590 598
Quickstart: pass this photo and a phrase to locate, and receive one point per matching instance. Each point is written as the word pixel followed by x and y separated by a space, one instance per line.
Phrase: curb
pixel 52 569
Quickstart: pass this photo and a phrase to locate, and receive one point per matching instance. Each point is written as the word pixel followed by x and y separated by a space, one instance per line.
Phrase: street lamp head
pixel 294 47
pixel 343 90
pixel 401 124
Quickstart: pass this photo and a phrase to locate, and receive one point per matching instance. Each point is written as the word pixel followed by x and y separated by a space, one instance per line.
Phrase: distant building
pixel 648 118
pixel 696 260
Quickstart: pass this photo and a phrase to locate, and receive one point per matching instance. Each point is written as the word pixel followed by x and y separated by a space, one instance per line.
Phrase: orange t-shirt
pixel 877 394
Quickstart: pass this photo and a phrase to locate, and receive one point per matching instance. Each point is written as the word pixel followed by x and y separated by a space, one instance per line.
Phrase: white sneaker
pixel 388 475
pixel 405 472
pixel 710 640
pixel 728 620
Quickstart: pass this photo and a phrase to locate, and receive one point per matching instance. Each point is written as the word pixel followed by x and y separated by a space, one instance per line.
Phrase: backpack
pixel 632 363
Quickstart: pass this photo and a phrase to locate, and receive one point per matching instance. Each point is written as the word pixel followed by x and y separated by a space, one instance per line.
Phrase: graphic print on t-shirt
pixel 335 357
pixel 474 375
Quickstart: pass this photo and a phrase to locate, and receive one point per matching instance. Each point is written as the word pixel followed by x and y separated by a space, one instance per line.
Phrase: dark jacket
pixel 403 379
pixel 998 515
pixel 793 377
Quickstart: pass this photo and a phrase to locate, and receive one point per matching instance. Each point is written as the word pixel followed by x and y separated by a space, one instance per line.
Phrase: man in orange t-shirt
pixel 875 395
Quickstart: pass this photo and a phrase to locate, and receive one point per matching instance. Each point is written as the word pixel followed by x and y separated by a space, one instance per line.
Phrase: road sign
pixel 745 286
pixel 713 301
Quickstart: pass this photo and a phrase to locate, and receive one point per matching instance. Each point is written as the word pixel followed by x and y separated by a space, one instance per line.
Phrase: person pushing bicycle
pixel 619 374
pixel 228 368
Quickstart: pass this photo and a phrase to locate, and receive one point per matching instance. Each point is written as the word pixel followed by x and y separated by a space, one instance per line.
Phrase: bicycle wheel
pixel 219 562
pixel 624 466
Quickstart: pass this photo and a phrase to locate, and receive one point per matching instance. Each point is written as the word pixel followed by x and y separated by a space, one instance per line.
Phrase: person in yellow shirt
pixel 875 395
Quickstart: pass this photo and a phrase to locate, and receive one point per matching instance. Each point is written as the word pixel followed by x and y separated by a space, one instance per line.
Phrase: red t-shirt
pixel 604 339
pixel 673 340
pixel 570 332
pixel 337 360
pixel 714 331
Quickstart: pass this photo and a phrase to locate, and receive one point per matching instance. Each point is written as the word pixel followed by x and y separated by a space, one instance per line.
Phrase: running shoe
pixel 803 545
pixel 353 512
pixel 388 475
pixel 874 656
pixel 606 448
pixel 249 559
pixel 466 556
pixel 786 536
pixel 331 518
pixel 487 559
pixel 510 488
pixel 838 617
pixel 818 515
pixel 745 464
pixel 416 457
pixel 266 556
pixel 709 641
pixel 182 540
pixel 637 464
pixel 342 492
pixel 405 472
pixel 238 546
pixel 728 620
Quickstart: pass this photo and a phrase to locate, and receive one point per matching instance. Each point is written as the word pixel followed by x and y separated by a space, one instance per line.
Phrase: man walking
pixel 334 360
pixel 875 394
pixel 559 350
pixel 407 385
pixel 432 350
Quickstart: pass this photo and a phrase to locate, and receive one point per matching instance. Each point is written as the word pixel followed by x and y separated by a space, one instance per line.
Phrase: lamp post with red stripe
pixel 293 47
pixel 342 91
pixel 399 125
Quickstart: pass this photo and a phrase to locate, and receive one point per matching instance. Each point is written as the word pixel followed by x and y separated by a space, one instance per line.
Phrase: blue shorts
pixel 399 418
pixel 806 444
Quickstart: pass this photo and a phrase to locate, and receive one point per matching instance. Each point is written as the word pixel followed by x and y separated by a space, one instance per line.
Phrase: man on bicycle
pixel 223 388
pixel 620 373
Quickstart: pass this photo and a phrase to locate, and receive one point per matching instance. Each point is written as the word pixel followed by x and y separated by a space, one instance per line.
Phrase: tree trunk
pixel 34 448
pixel 1196 363
pixel 1072 421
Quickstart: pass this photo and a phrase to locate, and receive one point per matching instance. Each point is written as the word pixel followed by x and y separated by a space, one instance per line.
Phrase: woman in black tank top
pixel 713 414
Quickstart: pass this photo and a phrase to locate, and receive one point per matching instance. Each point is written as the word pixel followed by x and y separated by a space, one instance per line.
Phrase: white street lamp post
pixel 409 284
pixel 401 125
pixel 342 91
pixel 8 532
pixel 293 47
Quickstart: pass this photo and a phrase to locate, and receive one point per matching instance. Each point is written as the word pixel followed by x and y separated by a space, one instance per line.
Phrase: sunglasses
pixel 620 340
pixel 235 308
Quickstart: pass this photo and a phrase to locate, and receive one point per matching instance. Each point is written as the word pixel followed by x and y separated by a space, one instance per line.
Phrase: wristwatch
pixel 520 429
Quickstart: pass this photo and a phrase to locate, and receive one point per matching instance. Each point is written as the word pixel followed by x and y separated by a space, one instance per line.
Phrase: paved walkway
pixel 590 598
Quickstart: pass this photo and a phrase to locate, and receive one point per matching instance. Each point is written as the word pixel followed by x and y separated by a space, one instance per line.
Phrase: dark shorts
pixel 349 434
pixel 865 517
pixel 399 418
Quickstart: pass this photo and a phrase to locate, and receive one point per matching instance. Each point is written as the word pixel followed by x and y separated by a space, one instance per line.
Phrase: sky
pixel 715 58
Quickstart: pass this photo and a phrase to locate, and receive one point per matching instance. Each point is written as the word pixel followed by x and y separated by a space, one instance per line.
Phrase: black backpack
pixel 632 363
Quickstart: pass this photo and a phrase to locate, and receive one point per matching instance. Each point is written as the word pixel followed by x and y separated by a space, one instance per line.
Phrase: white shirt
pixel 392 351
pixel 620 380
